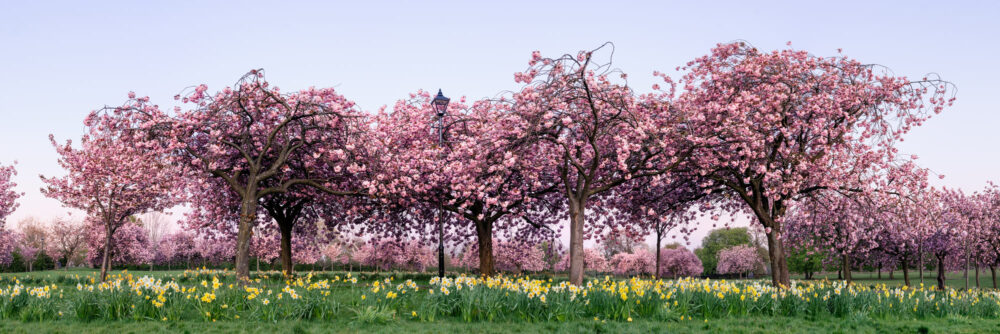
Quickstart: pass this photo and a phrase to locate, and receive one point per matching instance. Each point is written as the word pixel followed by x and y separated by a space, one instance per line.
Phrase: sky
pixel 60 60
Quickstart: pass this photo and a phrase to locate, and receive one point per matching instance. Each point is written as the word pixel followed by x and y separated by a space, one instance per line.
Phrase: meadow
pixel 212 300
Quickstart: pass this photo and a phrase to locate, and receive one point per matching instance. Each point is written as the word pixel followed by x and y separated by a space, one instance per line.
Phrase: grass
pixel 751 325
pixel 953 279
pixel 353 317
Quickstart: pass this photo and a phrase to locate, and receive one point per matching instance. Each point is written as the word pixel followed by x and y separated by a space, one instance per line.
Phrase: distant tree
pixel 593 260
pixel 616 243
pixel 677 261
pixel 67 242
pixel 32 241
pixel 113 174
pixel 741 259
pixel 718 240
pixel 805 261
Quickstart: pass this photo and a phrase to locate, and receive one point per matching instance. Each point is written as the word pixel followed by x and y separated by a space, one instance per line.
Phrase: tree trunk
pixel 966 274
pixel 484 234
pixel 879 269
pixel 106 257
pixel 658 269
pixel 977 276
pixel 776 252
pixel 906 272
pixel 576 220
pixel 286 247
pixel 993 270
pixel 920 266
pixel 940 272
pixel 845 265
pixel 248 213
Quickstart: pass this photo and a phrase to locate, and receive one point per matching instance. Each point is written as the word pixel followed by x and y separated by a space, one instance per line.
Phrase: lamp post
pixel 440 104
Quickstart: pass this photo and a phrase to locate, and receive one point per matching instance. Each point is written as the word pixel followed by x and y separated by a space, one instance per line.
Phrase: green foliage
pixel 717 240
pixel 17 263
pixel 43 262
pixel 805 261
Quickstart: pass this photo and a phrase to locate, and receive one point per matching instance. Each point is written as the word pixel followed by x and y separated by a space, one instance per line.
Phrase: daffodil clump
pixel 216 295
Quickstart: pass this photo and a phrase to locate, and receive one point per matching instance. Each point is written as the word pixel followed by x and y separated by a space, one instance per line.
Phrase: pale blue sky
pixel 60 60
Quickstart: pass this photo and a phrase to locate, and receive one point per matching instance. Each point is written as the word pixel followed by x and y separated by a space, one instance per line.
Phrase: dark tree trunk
pixel 779 264
pixel 977 276
pixel 940 272
pixel 879 269
pixel 966 274
pixel 248 213
pixel 484 234
pixel 286 247
pixel 845 266
pixel 920 266
pixel 906 271
pixel 658 238
pixel 106 257
pixel 993 270
pixel 576 218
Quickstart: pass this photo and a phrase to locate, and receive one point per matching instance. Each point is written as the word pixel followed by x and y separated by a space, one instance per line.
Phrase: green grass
pixel 750 325
pixel 347 320
pixel 952 279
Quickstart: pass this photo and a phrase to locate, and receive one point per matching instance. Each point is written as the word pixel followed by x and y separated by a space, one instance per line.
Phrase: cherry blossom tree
pixel 8 241
pixel 8 196
pixel 785 124
pixel 114 174
pixel 258 141
pixel 215 251
pixel 178 248
pixel 8 203
pixel 595 132
pixel 514 257
pixel 642 208
pixel 990 199
pixel 128 245
pixel 386 254
pixel 593 260
pixel 944 222
pixel 32 240
pixel 28 249
pixel 741 260
pixel 639 262
pixel 66 241
pixel 678 262
pixel 469 162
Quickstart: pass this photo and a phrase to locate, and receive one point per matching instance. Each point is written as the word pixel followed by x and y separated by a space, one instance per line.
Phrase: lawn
pixel 751 325
pixel 209 301
pixel 952 279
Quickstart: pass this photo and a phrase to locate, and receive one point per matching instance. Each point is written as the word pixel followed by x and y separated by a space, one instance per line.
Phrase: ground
pixel 758 325
pixel 454 325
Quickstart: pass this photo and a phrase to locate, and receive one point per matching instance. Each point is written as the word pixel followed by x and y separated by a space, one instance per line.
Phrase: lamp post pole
pixel 440 104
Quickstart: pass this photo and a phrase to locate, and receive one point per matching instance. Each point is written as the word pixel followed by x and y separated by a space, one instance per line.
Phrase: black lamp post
pixel 440 104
